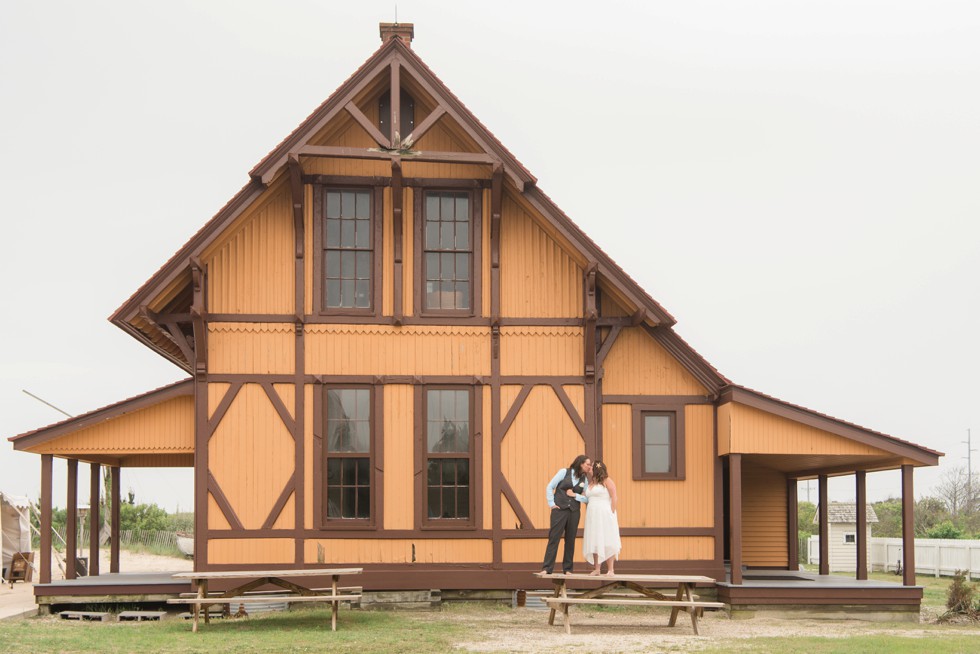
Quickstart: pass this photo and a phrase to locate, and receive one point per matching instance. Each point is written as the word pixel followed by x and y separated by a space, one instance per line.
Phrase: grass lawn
pixel 367 632
pixel 496 628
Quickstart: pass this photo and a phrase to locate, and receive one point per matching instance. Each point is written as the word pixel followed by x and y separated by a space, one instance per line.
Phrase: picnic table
pixel 629 590
pixel 251 579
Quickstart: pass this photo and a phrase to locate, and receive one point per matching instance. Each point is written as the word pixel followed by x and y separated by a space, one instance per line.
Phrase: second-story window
pixel 348 254
pixel 448 252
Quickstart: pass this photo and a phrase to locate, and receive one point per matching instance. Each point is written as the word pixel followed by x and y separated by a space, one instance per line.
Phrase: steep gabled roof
pixel 392 53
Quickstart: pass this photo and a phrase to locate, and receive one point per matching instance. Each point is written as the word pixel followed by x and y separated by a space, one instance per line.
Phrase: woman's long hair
pixel 599 472
pixel 577 464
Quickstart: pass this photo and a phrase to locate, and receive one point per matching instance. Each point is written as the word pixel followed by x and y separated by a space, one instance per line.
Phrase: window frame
pixel 677 431
pixel 320 454
pixel 476 198
pixel 853 536
pixel 422 519
pixel 319 248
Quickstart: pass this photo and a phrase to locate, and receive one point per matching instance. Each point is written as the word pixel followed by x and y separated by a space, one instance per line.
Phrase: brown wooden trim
pixel 868 464
pixel 606 346
pixel 347 180
pixel 311 319
pixel 222 408
pixel 822 512
pixel 266 169
pixel 429 156
pixel 398 227
pixel 908 528
pixel 687 357
pixel 38 436
pixel 233 378
pixel 361 532
pixel 423 127
pixel 735 515
pixel 451 183
pixel 297 193
pixel 71 520
pixel 672 402
pixel 319 420
pixel 569 409
pixel 114 522
pixel 516 505
pixel 678 442
pixel 284 414
pixel 515 408
pixel 223 504
pixel 367 125
pixel 826 423
pixel 861 540
pixel 95 518
pixel 395 100
pixel 792 526
pixel 801 595
pixel 277 508
pixel 719 492
pixel 202 434
pixel 47 465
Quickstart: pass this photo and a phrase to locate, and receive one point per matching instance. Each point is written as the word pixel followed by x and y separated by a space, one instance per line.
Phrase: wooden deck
pixel 112 588
pixel 802 591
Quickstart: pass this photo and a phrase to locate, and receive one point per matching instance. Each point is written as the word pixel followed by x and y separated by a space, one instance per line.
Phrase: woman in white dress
pixel 601 540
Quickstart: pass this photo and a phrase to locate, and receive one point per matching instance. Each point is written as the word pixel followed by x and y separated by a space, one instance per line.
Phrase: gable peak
pixel 404 32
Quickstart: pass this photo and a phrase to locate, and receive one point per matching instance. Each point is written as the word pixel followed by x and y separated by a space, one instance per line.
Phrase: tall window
pixel 448 262
pixel 348 257
pixel 347 449
pixel 658 442
pixel 448 445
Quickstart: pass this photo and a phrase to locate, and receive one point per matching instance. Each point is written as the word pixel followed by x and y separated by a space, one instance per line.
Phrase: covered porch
pixel 152 430
pixel 768 446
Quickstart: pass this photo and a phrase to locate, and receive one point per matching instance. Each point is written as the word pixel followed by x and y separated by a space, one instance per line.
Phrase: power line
pixel 48 403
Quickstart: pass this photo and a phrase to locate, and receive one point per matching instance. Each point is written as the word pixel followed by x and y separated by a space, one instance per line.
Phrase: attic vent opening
pixel 406 117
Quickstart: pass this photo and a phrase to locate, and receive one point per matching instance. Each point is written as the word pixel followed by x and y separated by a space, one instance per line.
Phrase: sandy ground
pixel 527 630
pixel 19 600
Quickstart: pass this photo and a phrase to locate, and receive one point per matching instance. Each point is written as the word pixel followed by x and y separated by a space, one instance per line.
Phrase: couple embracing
pixel 583 482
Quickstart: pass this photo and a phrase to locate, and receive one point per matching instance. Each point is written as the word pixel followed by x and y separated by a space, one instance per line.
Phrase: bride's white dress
pixel 601 526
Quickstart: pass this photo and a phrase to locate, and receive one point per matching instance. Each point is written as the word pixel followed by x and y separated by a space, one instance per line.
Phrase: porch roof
pixel 154 429
pixel 804 443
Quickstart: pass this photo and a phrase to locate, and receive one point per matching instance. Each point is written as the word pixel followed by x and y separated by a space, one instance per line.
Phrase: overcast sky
pixel 798 183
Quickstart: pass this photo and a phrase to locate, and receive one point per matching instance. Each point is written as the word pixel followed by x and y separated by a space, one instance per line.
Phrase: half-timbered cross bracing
pixel 395 338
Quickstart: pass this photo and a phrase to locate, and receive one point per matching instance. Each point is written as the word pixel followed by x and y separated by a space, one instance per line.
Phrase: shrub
pixel 959 596
pixel 945 529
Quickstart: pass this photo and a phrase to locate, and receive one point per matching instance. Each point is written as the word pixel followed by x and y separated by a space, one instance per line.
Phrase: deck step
pixel 140 616
pixel 101 616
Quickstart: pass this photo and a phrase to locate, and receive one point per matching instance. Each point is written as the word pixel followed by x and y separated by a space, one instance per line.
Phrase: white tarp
pixel 15 531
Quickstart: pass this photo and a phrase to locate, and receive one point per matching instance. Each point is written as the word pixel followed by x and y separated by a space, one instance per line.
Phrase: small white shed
pixel 15 528
pixel 842 534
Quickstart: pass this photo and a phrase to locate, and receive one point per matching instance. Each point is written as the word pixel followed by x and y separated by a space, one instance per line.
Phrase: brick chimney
pixel 403 31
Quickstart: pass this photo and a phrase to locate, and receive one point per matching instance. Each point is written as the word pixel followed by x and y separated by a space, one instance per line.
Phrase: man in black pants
pixel 564 494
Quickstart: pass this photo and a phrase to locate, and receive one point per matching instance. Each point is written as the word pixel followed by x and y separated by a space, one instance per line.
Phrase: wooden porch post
pixel 824 535
pixel 861 538
pixel 792 526
pixel 45 567
pixel 908 528
pixel 71 521
pixel 735 514
pixel 94 519
pixel 114 521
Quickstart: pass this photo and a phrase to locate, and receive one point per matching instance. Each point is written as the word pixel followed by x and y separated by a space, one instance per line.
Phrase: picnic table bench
pixel 630 590
pixel 244 593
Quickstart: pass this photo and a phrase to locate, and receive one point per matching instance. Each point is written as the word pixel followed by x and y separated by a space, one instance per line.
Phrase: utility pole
pixel 969 473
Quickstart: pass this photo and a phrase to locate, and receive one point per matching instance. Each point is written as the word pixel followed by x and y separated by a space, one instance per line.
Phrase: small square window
pixel 850 539
pixel 658 442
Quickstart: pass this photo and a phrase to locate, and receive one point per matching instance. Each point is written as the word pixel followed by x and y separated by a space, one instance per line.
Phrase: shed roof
pixel 845 513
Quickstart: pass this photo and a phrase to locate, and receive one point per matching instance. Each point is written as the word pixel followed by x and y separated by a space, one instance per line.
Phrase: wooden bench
pixel 288 580
pixel 629 590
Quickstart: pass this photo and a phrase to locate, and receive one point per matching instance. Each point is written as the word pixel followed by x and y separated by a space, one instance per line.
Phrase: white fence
pixel 935 556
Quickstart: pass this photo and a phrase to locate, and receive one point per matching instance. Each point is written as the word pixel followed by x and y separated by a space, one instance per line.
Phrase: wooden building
pixel 395 338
